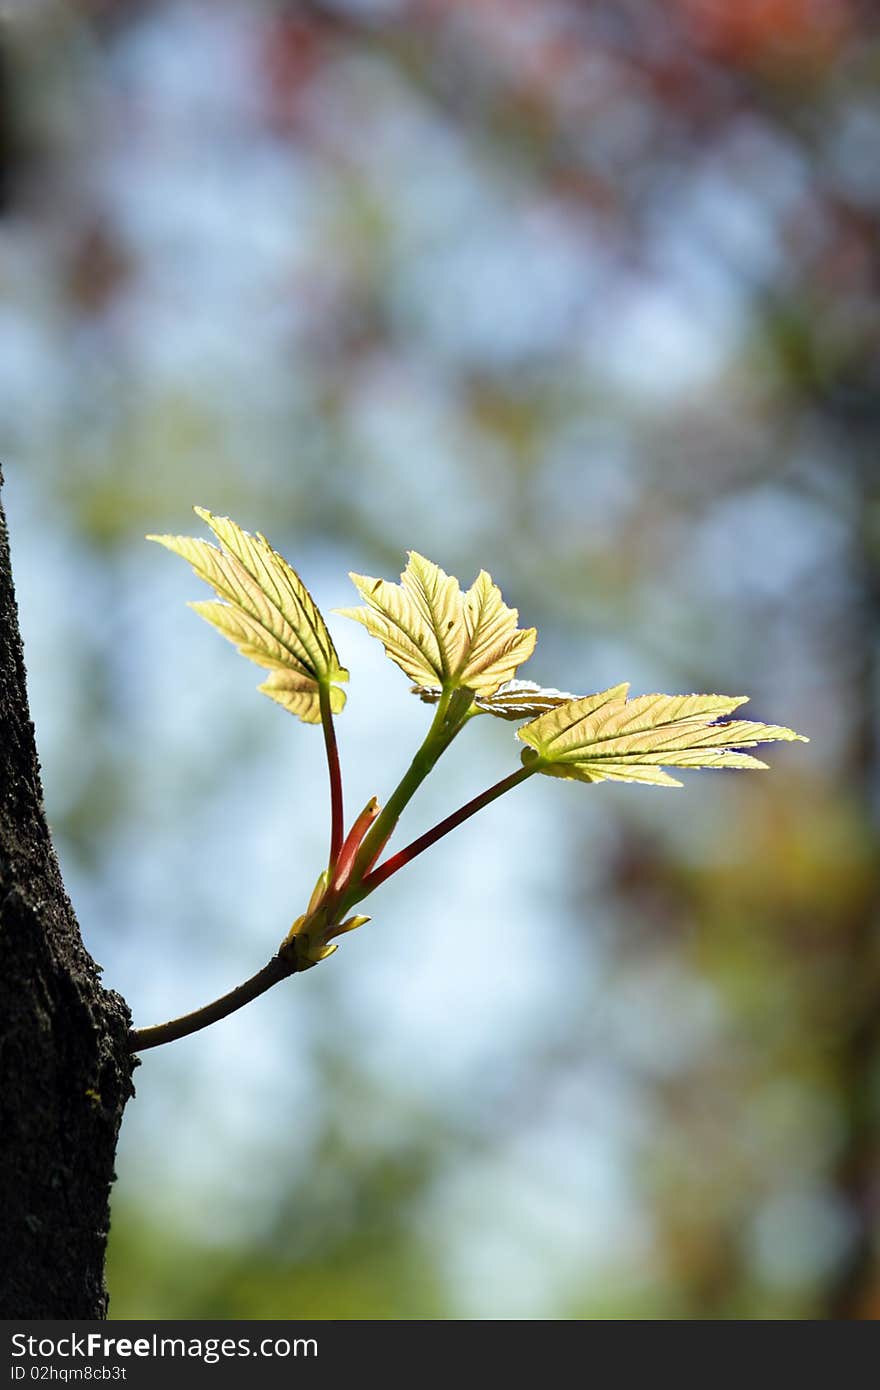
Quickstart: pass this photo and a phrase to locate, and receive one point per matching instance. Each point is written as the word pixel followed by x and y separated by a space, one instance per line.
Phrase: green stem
pixel 436 741
pixel 430 837
pixel 438 738
pixel 139 1039
pixel 336 810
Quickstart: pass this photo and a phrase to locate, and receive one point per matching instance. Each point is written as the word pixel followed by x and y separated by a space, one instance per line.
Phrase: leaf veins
pixel 512 700
pixel 267 611
pixel 439 636
pixel 608 737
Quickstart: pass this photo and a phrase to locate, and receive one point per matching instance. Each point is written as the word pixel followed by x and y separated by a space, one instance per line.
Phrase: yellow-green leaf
pixel 607 737
pixel 351 924
pixel 512 700
pixel 440 636
pixel 267 611
pixel 298 694
pixel 494 647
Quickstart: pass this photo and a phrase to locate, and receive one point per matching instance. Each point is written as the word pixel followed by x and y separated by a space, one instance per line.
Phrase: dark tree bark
pixel 65 1069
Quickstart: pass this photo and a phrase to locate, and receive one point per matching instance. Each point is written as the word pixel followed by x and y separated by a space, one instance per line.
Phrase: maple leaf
pixel 512 700
pixel 608 737
pixel 439 636
pixel 267 611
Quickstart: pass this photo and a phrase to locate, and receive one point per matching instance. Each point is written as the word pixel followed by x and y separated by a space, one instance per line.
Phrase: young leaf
pixel 512 700
pixel 439 636
pixel 268 613
pixel 607 737
pixel 298 694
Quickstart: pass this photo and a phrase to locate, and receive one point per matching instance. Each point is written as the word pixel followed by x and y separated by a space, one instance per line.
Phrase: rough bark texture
pixel 65 1071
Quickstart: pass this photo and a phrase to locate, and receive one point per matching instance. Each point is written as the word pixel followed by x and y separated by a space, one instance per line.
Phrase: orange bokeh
pixel 752 31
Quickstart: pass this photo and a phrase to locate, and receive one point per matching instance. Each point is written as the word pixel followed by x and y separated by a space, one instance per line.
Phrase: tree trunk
pixel 65 1070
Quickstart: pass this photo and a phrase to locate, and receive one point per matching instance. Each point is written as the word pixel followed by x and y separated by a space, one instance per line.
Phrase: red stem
pixel 336 810
pixel 347 854
pixel 430 837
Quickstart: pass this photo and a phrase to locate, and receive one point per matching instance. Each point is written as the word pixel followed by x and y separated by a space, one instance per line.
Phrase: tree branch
pixel 139 1039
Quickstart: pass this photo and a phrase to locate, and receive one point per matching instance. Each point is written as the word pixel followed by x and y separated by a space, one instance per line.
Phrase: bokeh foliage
pixel 586 295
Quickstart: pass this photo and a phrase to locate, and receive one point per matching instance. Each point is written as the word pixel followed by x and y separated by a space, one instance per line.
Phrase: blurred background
pixel 583 293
